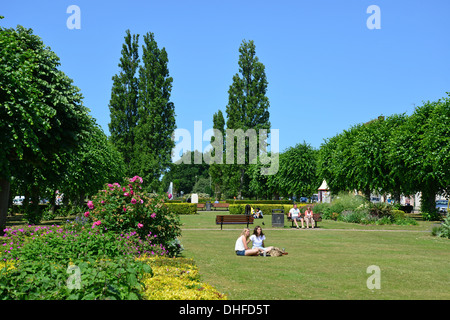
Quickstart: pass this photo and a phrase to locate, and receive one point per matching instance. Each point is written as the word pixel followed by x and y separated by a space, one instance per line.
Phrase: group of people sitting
pixel 257 214
pixel 294 215
pixel 257 238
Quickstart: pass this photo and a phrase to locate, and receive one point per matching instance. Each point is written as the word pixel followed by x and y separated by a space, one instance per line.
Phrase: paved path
pixel 309 230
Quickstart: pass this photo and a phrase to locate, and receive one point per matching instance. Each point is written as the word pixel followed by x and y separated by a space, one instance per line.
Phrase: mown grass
pixel 326 263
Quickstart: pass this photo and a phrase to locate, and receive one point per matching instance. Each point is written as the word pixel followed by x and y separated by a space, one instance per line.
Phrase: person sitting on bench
pixel 294 215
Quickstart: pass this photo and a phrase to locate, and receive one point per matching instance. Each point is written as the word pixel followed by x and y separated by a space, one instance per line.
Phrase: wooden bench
pixel 221 205
pixel 234 219
pixel 201 206
pixel 316 217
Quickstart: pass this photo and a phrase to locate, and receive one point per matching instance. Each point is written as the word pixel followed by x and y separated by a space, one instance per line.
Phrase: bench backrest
pixel 234 218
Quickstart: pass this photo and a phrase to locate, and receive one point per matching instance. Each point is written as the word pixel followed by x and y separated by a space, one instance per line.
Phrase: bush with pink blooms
pixel 125 207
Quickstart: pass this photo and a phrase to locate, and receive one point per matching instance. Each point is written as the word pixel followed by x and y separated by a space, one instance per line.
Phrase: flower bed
pixel 104 254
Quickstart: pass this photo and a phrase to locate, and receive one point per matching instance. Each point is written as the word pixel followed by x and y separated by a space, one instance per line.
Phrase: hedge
pixel 265 208
pixel 183 208
pixel 231 201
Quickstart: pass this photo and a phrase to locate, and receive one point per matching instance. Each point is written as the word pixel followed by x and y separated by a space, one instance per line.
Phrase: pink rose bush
pixel 126 208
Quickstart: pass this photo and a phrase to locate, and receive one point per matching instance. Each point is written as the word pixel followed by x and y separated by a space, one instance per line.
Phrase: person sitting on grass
pixel 258 238
pixel 241 246
pixel 294 214
pixel 258 214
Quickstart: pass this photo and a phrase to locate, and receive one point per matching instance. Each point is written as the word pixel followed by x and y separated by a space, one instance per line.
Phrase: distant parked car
pixel 303 199
pixel 441 206
pixel 18 200
pixel 375 199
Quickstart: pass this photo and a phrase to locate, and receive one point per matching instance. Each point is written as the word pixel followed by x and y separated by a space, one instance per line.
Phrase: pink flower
pixel 136 178
pixel 102 202
pixel 124 209
pixel 126 194
pixel 133 201
pixel 170 196
pixel 153 215
pixel 142 201
pixel 90 205
pixel 86 214
pixel 140 225
pixel 96 223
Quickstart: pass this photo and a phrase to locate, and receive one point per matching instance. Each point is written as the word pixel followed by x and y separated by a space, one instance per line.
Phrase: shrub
pixel 42 257
pixel 431 216
pixel 126 208
pixel 354 216
pixel 72 242
pixel 444 229
pixel 177 279
pixel 384 220
pixel 41 279
pixel 266 209
pixel 236 209
pixel 381 210
pixel 182 208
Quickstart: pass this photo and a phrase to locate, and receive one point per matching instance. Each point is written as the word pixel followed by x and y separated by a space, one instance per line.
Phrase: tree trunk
pixel 4 197
pixel 35 213
pixel 428 201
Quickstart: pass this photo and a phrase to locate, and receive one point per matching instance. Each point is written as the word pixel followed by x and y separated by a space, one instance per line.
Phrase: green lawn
pixel 329 262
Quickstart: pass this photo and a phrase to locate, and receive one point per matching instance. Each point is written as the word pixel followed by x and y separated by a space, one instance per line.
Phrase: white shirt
pixel 239 246
pixel 257 241
pixel 294 213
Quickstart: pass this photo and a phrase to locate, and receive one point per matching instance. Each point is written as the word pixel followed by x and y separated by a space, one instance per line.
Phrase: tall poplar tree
pixel 123 105
pixel 216 169
pixel 248 105
pixel 156 121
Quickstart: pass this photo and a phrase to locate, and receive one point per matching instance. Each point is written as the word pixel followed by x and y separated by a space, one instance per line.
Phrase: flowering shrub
pixel 126 208
pixel 72 241
pixel 35 260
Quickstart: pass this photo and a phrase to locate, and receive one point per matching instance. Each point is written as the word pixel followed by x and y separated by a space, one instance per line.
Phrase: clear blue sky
pixel 326 70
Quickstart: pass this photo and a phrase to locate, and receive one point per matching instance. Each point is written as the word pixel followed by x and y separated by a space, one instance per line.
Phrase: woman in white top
pixel 241 247
pixel 258 238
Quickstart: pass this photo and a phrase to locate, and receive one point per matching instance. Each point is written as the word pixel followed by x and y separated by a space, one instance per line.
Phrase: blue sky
pixel 327 71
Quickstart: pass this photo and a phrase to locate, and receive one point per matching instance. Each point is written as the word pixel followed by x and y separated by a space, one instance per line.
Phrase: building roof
pixel 323 186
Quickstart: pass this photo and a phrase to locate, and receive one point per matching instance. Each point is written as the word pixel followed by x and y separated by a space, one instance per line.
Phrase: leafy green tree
pixel 247 108
pixel 187 174
pixel 156 120
pixel 123 105
pixel 96 163
pixel 335 161
pixel 42 115
pixel 297 173
pixel 422 148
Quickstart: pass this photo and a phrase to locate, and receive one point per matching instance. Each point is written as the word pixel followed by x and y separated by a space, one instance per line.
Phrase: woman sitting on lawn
pixel 241 247
pixel 258 238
